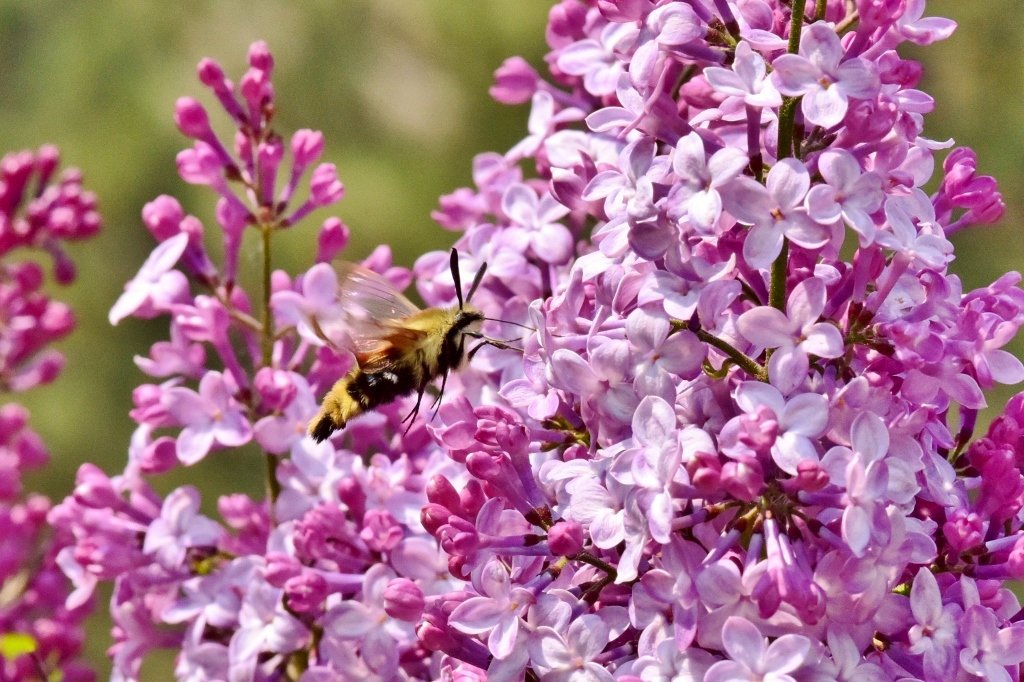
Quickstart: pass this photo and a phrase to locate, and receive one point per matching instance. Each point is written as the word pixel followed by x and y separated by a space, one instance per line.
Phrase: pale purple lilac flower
pixel 775 211
pixel 822 77
pixel 737 442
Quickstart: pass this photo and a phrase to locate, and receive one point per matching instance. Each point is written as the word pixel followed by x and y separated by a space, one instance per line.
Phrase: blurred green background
pixel 400 90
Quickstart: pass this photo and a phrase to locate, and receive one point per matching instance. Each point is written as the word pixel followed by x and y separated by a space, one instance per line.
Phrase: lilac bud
pixel 44 370
pixel 159 456
pixel 331 240
pixel 200 165
pixel 47 160
pixel 325 186
pixel 810 476
pixel 13 418
pixel 565 538
pixel 515 81
pixel 260 56
pixel 352 494
pixel 1015 562
pixel 149 407
pixel 210 73
pixel 307 146
pixel 434 517
pixel 875 13
pixel 472 498
pixel 403 599
pixel 94 489
pixel 705 473
pixel 258 93
pixel 483 465
pixel 191 119
pixel 269 155
pixel 743 478
pixel 306 592
pixel 281 568
pixel 30 450
pixel 381 532
pixel 432 638
pixel 440 491
pixel 964 530
pixel 163 216
pixel 275 388
pixel 566 22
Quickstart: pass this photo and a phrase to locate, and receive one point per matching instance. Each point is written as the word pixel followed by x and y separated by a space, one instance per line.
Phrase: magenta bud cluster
pixel 42 209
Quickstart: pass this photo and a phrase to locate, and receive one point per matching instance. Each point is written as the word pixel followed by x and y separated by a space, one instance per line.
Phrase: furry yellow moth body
pixel 408 349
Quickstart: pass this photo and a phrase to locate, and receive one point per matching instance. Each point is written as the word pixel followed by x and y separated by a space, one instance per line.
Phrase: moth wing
pixel 389 350
pixel 368 314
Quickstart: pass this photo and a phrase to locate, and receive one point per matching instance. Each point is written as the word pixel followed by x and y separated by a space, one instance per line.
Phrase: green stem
pixel 267 342
pixel 780 270
pixel 787 125
pixel 268 332
pixel 797 25
pixel 787 114
pixel 588 558
pixel 744 362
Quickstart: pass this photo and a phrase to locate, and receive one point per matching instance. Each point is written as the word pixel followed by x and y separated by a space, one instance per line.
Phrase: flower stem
pixel 786 147
pixel 797 25
pixel 780 270
pixel 747 364
pixel 268 332
pixel 588 558
pixel 267 342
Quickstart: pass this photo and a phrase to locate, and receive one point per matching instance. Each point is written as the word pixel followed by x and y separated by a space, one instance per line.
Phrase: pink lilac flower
pixel 43 608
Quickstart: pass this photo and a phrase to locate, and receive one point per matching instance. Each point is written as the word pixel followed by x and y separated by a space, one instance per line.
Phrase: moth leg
pixel 437 401
pixel 474 349
pixel 488 341
pixel 415 410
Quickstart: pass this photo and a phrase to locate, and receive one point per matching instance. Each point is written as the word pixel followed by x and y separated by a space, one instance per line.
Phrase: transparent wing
pixel 362 289
pixel 368 312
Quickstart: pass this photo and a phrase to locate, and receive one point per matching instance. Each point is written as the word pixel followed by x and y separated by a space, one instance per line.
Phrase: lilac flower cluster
pixel 40 634
pixel 738 443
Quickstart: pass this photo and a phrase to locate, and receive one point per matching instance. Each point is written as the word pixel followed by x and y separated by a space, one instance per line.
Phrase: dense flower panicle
pixel 40 210
pixel 726 450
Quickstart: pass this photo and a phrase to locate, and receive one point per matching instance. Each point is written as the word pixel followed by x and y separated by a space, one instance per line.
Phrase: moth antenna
pixel 456 277
pixel 477 278
pixel 497 319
